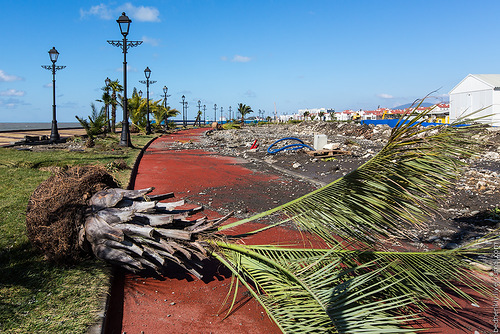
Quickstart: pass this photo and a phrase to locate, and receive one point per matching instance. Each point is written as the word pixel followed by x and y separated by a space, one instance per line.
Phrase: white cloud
pixel 441 97
pixel 12 92
pixel 48 85
pixel 240 59
pixel 250 93
pixel 151 41
pixel 223 58
pixel 104 12
pixel 143 14
pixel 13 103
pixel 385 96
pixel 8 78
pixel 101 11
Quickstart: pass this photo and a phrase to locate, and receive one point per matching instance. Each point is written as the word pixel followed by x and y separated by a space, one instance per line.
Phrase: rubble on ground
pixel 468 213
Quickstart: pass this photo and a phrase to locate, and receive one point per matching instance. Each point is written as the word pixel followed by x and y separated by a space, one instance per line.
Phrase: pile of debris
pixel 468 213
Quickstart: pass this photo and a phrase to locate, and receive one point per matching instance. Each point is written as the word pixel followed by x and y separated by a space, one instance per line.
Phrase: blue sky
pixel 292 54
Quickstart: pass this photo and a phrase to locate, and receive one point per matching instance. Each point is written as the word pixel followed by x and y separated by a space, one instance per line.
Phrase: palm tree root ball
pixel 81 211
pixel 56 211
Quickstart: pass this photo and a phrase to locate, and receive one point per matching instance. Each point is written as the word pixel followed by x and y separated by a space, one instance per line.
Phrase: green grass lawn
pixel 37 296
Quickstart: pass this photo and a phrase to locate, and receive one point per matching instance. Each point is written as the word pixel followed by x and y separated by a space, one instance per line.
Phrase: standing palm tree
pixel 137 110
pixel 95 125
pixel 162 113
pixel 321 115
pixel 171 112
pixel 244 110
pixel 306 114
pixel 106 99
pixel 115 89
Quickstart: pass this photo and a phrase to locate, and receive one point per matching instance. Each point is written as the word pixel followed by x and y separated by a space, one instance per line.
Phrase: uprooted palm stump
pixel 82 209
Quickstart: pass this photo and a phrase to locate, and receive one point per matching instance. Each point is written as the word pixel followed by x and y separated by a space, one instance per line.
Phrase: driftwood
pixel 131 229
pixel 327 153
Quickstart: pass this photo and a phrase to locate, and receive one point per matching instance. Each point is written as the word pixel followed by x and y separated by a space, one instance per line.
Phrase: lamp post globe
pixel 124 23
pixel 53 54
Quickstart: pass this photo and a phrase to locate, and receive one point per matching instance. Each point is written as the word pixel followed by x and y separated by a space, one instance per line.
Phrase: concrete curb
pixel 99 327
pixel 133 174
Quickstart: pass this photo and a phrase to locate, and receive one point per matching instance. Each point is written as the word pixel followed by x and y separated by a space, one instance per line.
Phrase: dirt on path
pixel 180 303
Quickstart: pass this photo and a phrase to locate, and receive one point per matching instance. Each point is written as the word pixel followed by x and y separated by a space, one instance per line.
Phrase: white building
pixel 315 112
pixel 477 92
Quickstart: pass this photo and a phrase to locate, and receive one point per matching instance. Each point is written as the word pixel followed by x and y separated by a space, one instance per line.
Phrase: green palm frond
pixel 158 111
pixel 95 123
pixel 316 291
pixel 349 291
pixel 397 188
pixel 357 284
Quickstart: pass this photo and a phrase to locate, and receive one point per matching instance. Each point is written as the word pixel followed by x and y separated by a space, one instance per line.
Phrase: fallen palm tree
pixel 357 283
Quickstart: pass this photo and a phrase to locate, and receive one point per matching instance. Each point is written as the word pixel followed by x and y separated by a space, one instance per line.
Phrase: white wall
pixel 473 95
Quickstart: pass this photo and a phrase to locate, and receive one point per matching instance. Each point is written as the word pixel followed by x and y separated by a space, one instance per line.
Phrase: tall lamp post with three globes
pixel 147 74
pixel 124 23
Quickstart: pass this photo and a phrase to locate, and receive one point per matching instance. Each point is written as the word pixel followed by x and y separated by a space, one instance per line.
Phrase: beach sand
pixel 9 138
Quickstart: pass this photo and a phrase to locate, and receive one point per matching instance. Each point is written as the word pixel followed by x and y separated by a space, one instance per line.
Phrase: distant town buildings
pixel 477 95
pixel 438 114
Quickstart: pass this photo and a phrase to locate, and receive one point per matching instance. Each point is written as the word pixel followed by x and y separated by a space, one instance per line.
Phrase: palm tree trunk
pixel 113 113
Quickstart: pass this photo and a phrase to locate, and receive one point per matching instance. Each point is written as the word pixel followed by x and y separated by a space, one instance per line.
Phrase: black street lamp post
pixel 147 73
pixel 183 111
pixel 215 112
pixel 165 90
pixel 186 113
pixel 124 23
pixel 54 133
pixel 204 114
pixel 230 113
pixel 221 115
pixel 199 112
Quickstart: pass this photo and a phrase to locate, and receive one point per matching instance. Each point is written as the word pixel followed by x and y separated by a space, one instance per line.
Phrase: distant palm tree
pixel 160 112
pixel 137 110
pixel 306 114
pixel 171 112
pixel 106 99
pixel 244 110
pixel 115 89
pixel 321 115
pixel 94 125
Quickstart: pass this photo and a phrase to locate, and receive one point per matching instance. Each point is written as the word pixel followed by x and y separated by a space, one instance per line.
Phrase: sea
pixel 8 127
